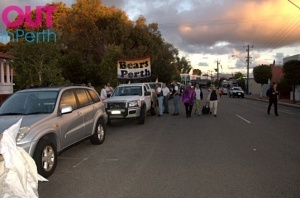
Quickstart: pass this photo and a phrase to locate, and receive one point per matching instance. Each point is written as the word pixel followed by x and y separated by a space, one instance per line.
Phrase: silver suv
pixel 54 119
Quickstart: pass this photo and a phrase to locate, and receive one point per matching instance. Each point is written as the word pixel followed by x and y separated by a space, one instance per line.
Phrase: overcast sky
pixel 209 30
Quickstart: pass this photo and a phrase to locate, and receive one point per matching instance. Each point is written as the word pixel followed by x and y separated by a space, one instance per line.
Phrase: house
pixel 6 76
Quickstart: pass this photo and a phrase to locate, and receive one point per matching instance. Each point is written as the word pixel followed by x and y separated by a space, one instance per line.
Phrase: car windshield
pixel 152 85
pixel 238 88
pixel 225 85
pixel 128 91
pixel 31 102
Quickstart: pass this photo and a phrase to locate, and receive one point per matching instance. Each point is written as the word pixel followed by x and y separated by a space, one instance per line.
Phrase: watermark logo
pixel 25 17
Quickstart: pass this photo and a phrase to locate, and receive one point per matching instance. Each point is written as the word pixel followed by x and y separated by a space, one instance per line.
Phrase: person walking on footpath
pixel 188 98
pixel 198 98
pixel 272 93
pixel 160 99
pixel 213 98
pixel 175 94
pixel 166 94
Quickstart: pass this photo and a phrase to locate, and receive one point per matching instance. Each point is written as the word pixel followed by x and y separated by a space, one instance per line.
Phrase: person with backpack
pixel 188 98
pixel 198 98
pixel 273 93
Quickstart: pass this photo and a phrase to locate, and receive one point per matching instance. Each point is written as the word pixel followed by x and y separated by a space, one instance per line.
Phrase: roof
pixel 6 56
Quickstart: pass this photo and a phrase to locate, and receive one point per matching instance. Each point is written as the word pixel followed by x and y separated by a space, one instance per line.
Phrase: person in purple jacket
pixel 188 98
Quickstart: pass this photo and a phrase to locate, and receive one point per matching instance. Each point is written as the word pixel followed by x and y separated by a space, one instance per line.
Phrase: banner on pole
pixel 137 68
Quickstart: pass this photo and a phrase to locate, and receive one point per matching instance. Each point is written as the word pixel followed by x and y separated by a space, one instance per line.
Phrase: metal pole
pixel 248 50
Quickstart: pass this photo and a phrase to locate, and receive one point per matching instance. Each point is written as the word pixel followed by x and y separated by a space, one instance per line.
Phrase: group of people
pixel 189 96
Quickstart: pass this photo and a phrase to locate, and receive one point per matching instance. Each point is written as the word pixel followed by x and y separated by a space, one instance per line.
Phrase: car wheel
pixel 142 117
pixel 45 157
pixel 98 136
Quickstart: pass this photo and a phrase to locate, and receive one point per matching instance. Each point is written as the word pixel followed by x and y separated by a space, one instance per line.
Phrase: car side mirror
pixel 66 110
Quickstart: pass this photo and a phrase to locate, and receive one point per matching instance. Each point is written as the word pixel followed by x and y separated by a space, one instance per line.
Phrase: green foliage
pixel 92 38
pixel 37 64
pixel 262 74
pixel 291 70
pixel 108 66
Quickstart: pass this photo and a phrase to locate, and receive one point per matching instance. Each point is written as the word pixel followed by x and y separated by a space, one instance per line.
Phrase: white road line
pixel 286 111
pixel 84 159
pixel 243 118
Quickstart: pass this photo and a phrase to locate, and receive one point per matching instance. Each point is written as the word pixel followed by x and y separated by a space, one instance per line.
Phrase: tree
pixel 197 72
pixel 262 74
pixel 36 64
pixel 240 78
pixel 291 70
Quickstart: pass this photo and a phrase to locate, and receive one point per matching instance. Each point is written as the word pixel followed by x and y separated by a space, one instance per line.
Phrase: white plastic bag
pixel 18 172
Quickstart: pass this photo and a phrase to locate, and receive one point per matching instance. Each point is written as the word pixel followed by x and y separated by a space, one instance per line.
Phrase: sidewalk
pixel 286 102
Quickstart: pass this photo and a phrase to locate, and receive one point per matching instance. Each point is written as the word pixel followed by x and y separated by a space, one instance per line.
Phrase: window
pixel 68 99
pixel 83 97
pixel 94 96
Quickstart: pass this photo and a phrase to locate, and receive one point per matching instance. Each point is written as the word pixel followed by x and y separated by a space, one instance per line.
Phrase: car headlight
pixel 23 131
pixel 134 103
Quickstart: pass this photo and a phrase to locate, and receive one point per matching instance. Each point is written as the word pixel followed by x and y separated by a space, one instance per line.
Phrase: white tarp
pixel 18 172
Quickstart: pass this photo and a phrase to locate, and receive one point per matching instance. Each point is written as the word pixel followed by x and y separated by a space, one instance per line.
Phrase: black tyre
pixel 98 136
pixel 45 157
pixel 141 119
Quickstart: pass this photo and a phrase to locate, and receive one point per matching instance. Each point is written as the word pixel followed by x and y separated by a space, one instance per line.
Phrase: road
pixel 244 152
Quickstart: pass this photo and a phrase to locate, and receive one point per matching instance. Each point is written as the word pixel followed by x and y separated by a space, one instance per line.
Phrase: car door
pixel 88 110
pixel 71 124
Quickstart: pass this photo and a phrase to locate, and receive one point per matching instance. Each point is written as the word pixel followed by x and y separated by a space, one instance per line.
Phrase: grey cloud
pixel 203 64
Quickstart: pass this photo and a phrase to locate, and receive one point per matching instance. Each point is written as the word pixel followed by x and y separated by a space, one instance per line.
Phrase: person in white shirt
pixel 103 93
pixel 109 90
pixel 166 94
pixel 199 97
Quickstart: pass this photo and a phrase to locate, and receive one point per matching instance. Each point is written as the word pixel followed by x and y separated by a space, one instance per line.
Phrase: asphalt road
pixel 244 152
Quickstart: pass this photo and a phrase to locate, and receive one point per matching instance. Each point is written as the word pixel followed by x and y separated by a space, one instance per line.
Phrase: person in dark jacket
pixel 273 93
pixel 213 98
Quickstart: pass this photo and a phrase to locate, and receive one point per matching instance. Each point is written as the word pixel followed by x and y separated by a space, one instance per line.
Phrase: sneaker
pixel 210 113
pixel 277 114
pixel 215 115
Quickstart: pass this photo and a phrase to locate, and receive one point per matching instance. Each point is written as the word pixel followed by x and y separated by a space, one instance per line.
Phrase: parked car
pixel 129 101
pixel 236 91
pixel 54 119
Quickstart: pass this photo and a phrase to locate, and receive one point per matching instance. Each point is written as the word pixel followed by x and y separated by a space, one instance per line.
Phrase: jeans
pixel 166 104
pixel 160 105
pixel 175 100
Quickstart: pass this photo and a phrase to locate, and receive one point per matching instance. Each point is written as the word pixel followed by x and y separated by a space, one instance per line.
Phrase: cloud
pixel 202 64
pixel 198 27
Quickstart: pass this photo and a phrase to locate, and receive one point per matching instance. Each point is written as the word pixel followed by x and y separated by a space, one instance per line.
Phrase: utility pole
pixel 217 70
pixel 248 62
